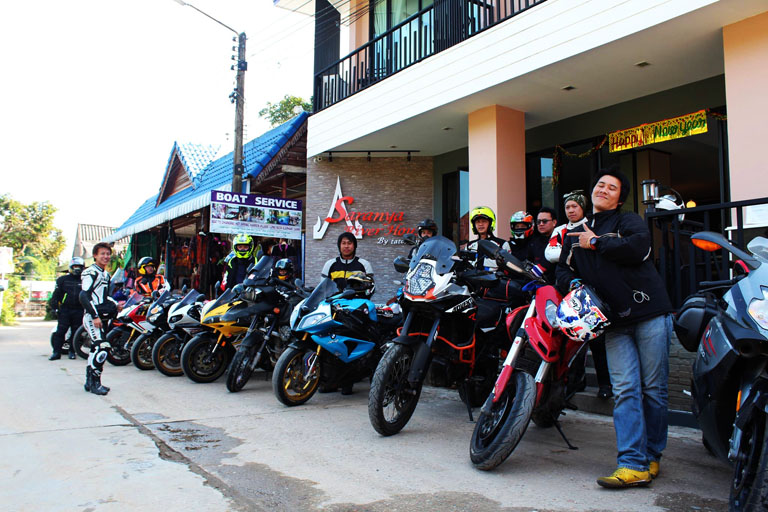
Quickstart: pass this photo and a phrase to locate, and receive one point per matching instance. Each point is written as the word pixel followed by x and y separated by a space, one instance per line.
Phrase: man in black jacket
pixel 65 302
pixel 338 269
pixel 611 252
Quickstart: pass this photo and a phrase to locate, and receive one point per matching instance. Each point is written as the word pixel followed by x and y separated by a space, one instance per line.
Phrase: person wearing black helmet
pixel 149 280
pixel 425 229
pixel 283 269
pixel 340 268
pixel 65 302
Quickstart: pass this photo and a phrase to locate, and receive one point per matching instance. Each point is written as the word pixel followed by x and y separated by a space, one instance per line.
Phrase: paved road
pixel 160 443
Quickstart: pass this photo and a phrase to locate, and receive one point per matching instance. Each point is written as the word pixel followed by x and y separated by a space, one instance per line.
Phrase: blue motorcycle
pixel 339 340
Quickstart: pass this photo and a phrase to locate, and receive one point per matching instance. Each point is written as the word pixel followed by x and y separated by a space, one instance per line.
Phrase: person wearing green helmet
pixel 483 222
pixel 238 261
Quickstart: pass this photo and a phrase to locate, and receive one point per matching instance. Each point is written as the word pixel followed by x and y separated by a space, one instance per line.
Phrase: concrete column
pixel 497 162
pixel 745 52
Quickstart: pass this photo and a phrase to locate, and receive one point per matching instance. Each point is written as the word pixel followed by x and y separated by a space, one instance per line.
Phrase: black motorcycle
pixel 727 325
pixel 156 326
pixel 271 302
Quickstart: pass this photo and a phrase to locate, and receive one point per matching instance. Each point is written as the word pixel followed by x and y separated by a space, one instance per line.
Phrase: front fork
pixel 514 352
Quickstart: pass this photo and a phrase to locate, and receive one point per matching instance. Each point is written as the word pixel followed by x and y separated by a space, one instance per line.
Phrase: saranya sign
pixel 367 223
pixel 660 131
pixel 275 217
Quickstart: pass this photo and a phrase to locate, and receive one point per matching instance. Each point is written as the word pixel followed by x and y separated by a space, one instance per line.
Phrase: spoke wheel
pixel 392 398
pixel 199 361
pixel 240 369
pixel 296 376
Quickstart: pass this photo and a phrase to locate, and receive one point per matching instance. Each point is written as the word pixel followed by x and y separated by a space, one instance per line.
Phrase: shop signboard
pixel 660 131
pixel 377 224
pixel 252 214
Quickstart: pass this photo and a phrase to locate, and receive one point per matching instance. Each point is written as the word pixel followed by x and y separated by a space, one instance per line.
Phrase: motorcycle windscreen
pixel 260 271
pixel 189 298
pixel 134 299
pixel 440 250
pixel 161 299
pixel 325 289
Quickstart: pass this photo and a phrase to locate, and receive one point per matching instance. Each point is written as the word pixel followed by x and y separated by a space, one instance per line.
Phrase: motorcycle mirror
pixel 488 248
pixel 299 283
pixel 184 289
pixel 155 294
pixel 401 264
pixel 217 289
pixel 250 267
pixel 238 289
pixel 348 293
pixel 410 239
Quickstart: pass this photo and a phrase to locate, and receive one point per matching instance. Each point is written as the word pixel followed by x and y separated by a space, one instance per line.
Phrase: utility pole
pixel 238 98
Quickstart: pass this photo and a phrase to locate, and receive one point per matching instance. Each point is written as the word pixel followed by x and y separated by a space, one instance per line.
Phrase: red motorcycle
pixel 533 379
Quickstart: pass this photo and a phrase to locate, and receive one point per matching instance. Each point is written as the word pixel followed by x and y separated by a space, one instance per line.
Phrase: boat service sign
pixel 660 131
pixel 251 214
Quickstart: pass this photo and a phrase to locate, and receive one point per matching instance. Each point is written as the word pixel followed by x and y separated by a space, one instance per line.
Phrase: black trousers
pixel 69 318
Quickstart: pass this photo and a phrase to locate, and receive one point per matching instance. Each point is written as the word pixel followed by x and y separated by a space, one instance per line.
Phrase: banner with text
pixel 660 131
pixel 255 215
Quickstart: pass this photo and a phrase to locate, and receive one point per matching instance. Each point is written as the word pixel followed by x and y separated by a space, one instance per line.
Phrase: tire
pixel 166 355
pixel 240 369
pixel 288 380
pixel 497 434
pixel 82 342
pixel 197 362
pixel 392 399
pixel 749 485
pixel 141 352
pixel 120 353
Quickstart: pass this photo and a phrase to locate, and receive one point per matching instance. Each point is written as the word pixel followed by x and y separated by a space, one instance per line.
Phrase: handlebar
pixel 722 283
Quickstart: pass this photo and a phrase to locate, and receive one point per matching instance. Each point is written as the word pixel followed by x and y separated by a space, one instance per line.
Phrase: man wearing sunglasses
pixel 546 220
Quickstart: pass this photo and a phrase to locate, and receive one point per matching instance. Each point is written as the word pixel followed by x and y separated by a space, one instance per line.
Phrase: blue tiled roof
pixel 215 175
pixel 196 157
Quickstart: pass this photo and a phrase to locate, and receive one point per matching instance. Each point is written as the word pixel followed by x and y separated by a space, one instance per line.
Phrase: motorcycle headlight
pixel 156 310
pixel 758 310
pixel 311 320
pixel 251 294
pixel 421 280
pixel 550 311
pixel 174 319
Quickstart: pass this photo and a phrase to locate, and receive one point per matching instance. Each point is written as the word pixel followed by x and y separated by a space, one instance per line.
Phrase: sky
pixel 95 92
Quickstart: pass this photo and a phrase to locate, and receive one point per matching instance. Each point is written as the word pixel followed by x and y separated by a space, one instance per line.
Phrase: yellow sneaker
pixel 625 477
pixel 653 469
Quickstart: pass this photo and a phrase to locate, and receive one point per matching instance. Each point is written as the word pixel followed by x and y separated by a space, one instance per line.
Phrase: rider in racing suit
pixel 99 307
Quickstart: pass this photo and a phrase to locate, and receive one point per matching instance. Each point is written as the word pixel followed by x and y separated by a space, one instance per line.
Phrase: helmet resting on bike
pixel 582 315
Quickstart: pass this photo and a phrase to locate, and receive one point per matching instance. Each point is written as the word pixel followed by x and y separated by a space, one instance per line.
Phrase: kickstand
pixel 560 429
pixel 469 406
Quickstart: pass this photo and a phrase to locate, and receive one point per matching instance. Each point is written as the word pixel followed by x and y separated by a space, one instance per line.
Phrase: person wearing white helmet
pixel 65 303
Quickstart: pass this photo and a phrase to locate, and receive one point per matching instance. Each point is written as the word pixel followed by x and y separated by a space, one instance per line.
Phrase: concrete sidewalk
pixel 169 444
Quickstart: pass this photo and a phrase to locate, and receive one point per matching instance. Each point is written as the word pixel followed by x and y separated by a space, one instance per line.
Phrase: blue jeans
pixel 638 360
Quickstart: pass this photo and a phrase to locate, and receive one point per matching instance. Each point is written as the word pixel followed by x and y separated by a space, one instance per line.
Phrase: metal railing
pixel 681 265
pixel 428 32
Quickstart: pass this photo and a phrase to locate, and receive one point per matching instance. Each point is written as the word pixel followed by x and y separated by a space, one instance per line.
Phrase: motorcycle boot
pixel 72 355
pixel 625 477
pixel 96 388
pixel 55 356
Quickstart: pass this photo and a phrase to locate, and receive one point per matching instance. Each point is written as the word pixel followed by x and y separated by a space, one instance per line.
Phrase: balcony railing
pixel 431 30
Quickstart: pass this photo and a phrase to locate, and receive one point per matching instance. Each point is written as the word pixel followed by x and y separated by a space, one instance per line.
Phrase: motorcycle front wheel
pixel 200 362
pixel 120 353
pixel 498 432
pixel 296 376
pixel 82 342
pixel 166 355
pixel 240 368
pixel 749 486
pixel 141 351
pixel 392 399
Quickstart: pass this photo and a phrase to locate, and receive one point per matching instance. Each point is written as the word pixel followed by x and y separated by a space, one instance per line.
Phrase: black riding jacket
pixel 66 295
pixel 620 268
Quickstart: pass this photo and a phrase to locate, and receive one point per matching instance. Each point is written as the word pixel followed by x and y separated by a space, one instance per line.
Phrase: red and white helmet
pixel 582 315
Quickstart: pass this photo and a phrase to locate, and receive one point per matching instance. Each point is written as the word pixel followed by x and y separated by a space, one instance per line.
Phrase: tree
pixel 29 230
pixel 285 109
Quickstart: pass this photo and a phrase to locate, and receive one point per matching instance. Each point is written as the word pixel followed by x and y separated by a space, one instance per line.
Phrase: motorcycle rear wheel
pixel 82 342
pixel 199 361
pixel 120 353
pixel 141 352
pixel 166 355
pixel 240 369
pixel 290 382
pixel 392 398
pixel 497 434
pixel 749 485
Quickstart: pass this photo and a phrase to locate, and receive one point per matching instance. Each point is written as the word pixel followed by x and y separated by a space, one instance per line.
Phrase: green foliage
pixel 285 109
pixel 13 295
pixel 29 230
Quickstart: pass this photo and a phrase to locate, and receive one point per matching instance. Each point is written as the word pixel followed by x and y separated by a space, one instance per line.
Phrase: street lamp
pixel 237 97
